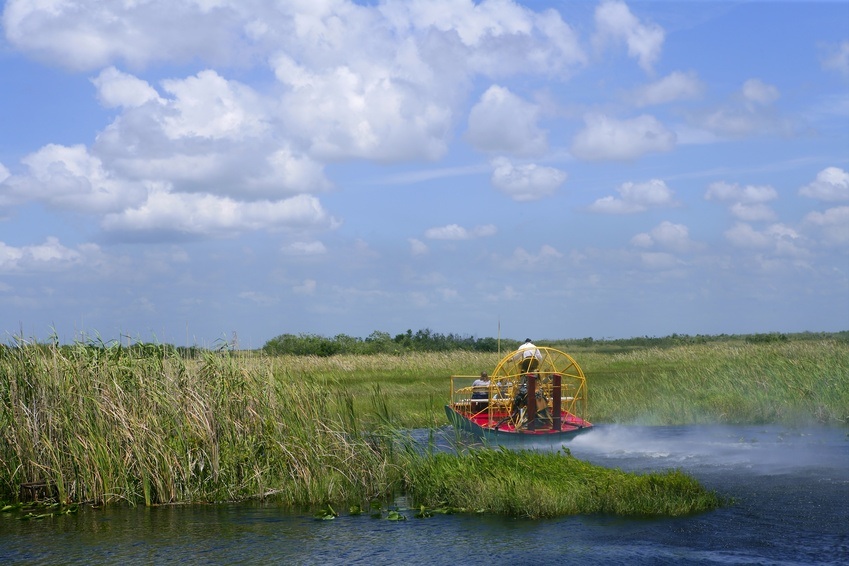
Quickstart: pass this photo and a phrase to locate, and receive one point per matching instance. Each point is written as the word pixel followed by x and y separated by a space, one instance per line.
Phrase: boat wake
pixel 756 449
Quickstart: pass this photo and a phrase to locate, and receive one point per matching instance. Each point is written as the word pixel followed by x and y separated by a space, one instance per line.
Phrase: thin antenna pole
pixel 499 337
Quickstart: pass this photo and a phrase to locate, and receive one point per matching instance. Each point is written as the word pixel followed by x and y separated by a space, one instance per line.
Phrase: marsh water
pixel 790 490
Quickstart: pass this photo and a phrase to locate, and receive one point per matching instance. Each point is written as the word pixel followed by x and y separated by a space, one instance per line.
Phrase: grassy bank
pixel 106 424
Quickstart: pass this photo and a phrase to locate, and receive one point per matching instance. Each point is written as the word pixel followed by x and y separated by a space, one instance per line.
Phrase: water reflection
pixel 792 507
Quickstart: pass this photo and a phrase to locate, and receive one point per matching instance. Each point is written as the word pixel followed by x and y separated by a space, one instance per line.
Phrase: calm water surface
pixel 791 491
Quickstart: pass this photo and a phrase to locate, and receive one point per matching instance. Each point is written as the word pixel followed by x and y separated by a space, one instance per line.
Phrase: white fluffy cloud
pixel 522 259
pixel 499 36
pixel 50 255
pixel 837 58
pixel 635 197
pixel 831 184
pixel 305 248
pixel 209 106
pixel 750 112
pixel 89 34
pixel 758 92
pixel 116 89
pixel 615 23
pixel 503 122
pixel 456 232
pixel 526 182
pixel 343 112
pixel 674 86
pixel 606 138
pixel 778 239
pixel 745 203
pixel 71 178
pixel 381 83
pixel 204 134
pixel 666 235
pixel 833 224
pixel 208 215
pixel 417 247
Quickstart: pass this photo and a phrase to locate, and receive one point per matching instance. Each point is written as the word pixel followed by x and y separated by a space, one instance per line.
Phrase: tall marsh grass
pixel 103 426
pixel 793 382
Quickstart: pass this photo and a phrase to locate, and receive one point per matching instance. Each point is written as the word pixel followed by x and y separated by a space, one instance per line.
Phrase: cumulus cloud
pixel 525 182
pixel 116 89
pixel 456 232
pixel 758 92
pixel 749 112
pixel 836 58
pixel 68 177
pixel 606 138
pixel 831 184
pixel 503 122
pixel 417 247
pixel 209 106
pixel 204 134
pixel 635 197
pixel 660 261
pixel 342 112
pixel 373 82
pixel 89 34
pixel 752 212
pixel 305 248
pixel 672 87
pixel 745 203
pixel 499 37
pixel 778 239
pixel 45 257
pixel 291 171
pixel 383 83
pixel 667 235
pixel 616 24
pixel 833 225
pixel 523 259
pixel 749 194
pixel 208 215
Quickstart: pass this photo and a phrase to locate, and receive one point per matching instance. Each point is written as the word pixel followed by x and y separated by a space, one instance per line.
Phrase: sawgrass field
pixel 111 425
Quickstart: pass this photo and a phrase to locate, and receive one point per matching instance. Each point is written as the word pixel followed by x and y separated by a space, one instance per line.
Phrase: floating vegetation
pixel 326 514
pixel 39 510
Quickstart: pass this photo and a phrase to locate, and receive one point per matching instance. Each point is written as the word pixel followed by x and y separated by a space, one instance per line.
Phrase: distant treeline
pixel 428 341
pixel 381 343
pixel 424 340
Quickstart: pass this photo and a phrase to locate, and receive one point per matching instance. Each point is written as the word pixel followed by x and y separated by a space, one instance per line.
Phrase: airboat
pixel 532 395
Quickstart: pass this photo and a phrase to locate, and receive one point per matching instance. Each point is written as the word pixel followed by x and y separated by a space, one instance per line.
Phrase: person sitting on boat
pixel 529 356
pixel 480 392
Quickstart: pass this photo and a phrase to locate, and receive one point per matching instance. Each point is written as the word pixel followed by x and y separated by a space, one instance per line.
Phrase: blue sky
pixel 184 170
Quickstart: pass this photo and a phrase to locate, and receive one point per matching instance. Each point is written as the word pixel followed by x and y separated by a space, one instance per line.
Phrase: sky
pixel 205 172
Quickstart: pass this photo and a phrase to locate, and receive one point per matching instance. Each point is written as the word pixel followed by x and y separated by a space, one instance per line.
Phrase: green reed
pixel 100 425
pixel 796 382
